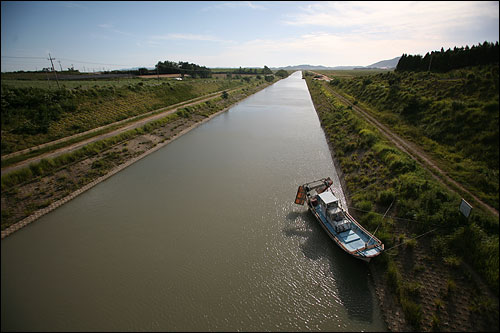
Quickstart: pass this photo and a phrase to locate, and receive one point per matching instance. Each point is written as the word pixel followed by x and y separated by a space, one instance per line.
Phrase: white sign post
pixel 465 208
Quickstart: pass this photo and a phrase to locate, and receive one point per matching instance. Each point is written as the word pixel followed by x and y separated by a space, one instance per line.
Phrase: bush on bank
pixel 376 172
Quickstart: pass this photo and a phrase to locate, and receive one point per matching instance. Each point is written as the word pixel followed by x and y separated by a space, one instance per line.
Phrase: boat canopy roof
pixel 327 197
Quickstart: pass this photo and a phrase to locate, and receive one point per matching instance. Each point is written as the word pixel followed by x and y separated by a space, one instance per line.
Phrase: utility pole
pixel 59 61
pixel 48 80
pixel 50 58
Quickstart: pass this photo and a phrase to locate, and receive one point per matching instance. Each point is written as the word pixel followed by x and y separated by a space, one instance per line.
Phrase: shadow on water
pixel 351 274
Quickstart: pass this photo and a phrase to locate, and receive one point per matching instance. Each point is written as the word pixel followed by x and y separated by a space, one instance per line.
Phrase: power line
pixel 77 61
pixel 23 57
pixel 95 63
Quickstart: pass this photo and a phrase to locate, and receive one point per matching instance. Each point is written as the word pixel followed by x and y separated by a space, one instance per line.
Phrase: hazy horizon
pixel 116 35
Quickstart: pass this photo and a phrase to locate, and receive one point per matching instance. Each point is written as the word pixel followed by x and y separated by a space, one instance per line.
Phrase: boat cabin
pixel 329 205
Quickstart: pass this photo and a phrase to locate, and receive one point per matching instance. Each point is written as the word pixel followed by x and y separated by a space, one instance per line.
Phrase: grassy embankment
pixel 35 115
pixel 378 175
pixel 37 186
pixel 453 116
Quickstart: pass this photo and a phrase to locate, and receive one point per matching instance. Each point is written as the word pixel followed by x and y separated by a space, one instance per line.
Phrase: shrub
pixel 412 311
pixel 450 286
pixel 269 78
pixel 452 261
pixel 410 186
pixel 413 288
pixel 393 277
pixel 411 243
pixel 184 113
pixel 16 177
pixel 368 137
pixel 282 73
pixel 371 220
pixel 435 322
pixel 35 169
pixel 364 205
pixel 386 197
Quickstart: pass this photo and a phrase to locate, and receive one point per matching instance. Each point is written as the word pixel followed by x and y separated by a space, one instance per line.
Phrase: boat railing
pixel 364 248
pixel 361 227
pixel 372 246
pixel 322 181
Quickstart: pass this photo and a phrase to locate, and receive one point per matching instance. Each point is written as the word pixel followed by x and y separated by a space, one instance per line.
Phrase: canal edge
pixel 41 212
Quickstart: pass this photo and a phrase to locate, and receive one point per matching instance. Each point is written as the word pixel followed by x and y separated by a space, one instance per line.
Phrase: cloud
pixel 318 48
pixel 69 4
pixel 410 20
pixel 187 36
pixel 111 28
pixel 237 4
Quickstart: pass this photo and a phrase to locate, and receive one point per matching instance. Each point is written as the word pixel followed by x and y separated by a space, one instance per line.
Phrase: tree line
pixel 169 67
pixel 183 67
pixel 444 61
pixel 194 70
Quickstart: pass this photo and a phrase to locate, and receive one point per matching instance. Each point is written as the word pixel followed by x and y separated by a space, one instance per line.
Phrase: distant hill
pixel 384 64
pixel 392 63
pixel 313 67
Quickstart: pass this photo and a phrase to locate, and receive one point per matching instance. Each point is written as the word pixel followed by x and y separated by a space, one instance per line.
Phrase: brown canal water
pixel 202 235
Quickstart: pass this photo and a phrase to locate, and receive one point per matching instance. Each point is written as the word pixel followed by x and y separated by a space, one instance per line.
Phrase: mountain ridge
pixel 383 64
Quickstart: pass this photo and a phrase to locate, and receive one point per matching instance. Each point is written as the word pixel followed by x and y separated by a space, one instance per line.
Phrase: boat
pixel 342 228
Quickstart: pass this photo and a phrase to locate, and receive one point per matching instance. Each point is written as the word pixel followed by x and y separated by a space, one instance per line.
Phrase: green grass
pixel 80 84
pixel 351 72
pixel 32 116
pixel 11 183
pixel 453 116
pixel 375 171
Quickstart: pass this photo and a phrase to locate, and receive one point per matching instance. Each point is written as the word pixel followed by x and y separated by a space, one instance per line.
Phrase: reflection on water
pixel 201 235
pixel 356 297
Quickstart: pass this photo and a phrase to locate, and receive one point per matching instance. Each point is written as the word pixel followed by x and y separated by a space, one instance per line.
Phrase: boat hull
pixel 339 241
pixel 340 226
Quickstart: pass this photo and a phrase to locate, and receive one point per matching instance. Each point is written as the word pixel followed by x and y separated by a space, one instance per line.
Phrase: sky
pixel 102 35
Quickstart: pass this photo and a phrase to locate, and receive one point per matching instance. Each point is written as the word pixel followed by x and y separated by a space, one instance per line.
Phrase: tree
pixel 444 61
pixel 282 73
pixel 183 67
pixel 266 70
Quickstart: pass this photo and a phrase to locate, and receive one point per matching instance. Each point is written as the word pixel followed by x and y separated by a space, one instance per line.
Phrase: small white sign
pixel 465 208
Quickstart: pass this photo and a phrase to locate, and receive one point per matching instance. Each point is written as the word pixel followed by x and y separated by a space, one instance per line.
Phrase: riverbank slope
pixel 422 283
pixel 56 181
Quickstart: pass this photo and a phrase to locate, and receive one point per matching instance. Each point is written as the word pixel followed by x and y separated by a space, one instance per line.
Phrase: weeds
pixel 421 201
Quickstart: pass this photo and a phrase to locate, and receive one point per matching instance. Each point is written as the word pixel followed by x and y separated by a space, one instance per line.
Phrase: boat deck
pixel 353 239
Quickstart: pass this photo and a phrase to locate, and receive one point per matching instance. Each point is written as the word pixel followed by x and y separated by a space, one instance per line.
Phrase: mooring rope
pixel 411 239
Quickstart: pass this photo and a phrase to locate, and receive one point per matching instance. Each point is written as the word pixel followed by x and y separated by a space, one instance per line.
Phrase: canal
pixel 201 235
